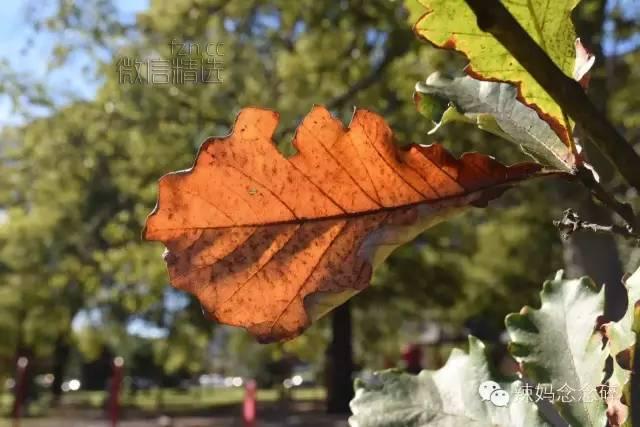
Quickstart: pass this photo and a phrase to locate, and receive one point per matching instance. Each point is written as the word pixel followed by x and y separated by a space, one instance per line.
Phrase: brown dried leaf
pixel 270 243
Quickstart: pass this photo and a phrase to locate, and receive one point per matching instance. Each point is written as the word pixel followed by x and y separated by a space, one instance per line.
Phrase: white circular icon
pixel 486 388
pixel 500 397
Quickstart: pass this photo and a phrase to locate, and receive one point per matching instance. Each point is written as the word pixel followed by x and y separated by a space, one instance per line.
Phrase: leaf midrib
pixel 346 216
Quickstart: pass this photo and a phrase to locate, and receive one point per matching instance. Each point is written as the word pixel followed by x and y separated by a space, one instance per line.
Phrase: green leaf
pixel 494 107
pixel 630 387
pixel 431 106
pixel 446 397
pixel 452 24
pixel 558 344
pixel 621 335
pixel 622 338
pixel 617 411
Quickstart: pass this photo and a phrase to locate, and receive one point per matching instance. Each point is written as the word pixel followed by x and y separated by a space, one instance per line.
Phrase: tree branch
pixel 571 222
pixel 495 19
pixel 364 83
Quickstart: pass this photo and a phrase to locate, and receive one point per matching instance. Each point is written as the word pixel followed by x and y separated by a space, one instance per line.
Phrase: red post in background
pixel 412 356
pixel 20 388
pixel 114 392
pixel 249 404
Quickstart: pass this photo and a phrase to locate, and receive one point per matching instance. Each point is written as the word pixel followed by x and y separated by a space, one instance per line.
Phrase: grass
pixel 172 400
pixel 5 402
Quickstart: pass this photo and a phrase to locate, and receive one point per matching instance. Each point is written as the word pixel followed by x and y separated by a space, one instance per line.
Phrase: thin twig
pixel 571 222
pixel 376 74
pixel 495 19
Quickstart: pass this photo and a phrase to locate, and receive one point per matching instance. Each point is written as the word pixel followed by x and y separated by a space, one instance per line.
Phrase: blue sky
pixel 32 62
